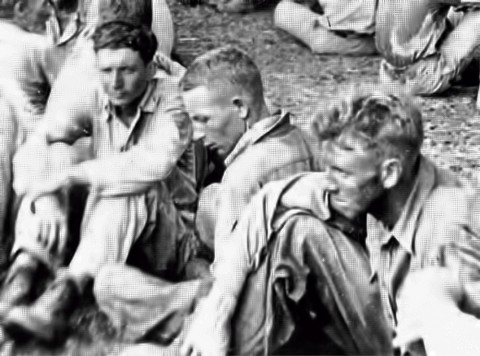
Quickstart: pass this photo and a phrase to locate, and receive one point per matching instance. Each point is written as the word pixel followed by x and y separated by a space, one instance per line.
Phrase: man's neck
pixel 391 204
pixel 127 113
pixel 258 114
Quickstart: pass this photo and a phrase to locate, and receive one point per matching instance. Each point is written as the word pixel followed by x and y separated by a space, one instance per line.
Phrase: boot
pixel 18 287
pixel 47 318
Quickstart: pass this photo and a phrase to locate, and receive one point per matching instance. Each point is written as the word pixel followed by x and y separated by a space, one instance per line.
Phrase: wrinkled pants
pixel 144 229
pixel 311 293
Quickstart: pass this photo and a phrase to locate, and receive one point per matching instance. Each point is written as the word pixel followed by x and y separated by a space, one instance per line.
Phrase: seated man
pixel 290 242
pixel 426 44
pixel 223 94
pixel 139 130
pixel 31 60
pixel 344 27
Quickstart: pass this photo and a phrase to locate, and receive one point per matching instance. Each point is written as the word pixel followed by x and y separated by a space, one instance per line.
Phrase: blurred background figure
pixel 330 26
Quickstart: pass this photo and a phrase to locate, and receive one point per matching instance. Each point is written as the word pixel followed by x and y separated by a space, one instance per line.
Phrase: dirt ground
pixel 295 80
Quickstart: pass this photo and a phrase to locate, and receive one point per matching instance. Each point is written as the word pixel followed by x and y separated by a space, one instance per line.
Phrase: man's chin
pixel 120 101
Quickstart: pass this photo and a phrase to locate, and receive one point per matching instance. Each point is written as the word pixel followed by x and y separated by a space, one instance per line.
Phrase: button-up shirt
pixel 435 217
pixel 272 149
pixel 127 160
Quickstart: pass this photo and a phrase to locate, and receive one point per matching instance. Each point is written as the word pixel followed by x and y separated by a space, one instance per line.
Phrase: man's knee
pixel 284 14
pixel 108 278
pixel 426 77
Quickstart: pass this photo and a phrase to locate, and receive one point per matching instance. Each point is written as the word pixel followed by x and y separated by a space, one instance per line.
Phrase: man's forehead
pixel 118 55
pixel 349 147
pixel 208 95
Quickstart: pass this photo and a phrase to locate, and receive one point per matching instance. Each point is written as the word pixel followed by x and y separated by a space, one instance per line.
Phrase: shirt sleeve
pixel 68 117
pixel 165 139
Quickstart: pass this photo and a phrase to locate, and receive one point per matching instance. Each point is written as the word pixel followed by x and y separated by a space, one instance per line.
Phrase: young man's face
pixel 215 118
pixel 353 175
pixel 123 75
pixel 37 11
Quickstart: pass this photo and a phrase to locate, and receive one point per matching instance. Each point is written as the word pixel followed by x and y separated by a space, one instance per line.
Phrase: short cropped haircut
pixel 388 122
pixel 227 65
pixel 120 34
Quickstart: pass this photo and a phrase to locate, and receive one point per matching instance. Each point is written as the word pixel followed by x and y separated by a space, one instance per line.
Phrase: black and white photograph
pixel 239 177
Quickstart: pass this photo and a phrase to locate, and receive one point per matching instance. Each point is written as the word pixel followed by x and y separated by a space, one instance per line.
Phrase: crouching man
pixel 139 131
pixel 296 256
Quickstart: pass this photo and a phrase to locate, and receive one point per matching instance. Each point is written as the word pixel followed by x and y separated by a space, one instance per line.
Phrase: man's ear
pixel 391 172
pixel 19 8
pixel 151 69
pixel 242 107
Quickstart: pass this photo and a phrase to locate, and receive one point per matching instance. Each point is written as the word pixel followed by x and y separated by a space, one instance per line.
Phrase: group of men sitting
pixel 339 239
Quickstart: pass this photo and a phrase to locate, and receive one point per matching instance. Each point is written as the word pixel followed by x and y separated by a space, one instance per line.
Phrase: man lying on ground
pixel 345 26
pixel 223 94
pixel 426 45
pixel 139 130
pixel 371 147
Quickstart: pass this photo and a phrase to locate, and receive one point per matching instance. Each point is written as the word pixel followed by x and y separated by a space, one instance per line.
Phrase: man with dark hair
pixel 139 131
pixel 223 94
pixel 298 249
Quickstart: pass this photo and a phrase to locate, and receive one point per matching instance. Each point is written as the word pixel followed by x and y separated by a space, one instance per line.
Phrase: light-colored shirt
pixel 436 215
pixel 272 149
pixel 22 68
pixel 125 160
pixel 356 16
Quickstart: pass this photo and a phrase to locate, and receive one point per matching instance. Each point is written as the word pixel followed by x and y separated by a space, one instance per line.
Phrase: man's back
pixel 276 151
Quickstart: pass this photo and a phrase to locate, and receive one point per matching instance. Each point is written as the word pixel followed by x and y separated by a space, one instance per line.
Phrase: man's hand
pixel 209 334
pixel 427 297
pixel 48 223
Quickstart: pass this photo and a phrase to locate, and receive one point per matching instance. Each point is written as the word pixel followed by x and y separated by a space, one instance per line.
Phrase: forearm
pixel 123 174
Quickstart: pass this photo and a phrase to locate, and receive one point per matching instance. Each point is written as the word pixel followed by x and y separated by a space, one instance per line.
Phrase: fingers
pixel 62 238
pixel 52 235
pixel 187 348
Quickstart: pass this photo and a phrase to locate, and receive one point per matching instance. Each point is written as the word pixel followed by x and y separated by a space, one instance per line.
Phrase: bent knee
pixel 107 280
pixel 286 14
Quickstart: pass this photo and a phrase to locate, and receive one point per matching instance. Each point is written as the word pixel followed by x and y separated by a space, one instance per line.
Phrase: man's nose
pixel 330 181
pixel 198 131
pixel 117 80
